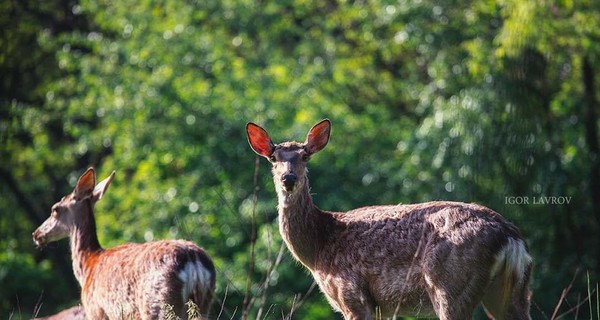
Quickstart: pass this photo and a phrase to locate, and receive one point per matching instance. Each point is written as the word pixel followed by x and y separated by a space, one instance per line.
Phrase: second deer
pixel 429 259
pixel 133 281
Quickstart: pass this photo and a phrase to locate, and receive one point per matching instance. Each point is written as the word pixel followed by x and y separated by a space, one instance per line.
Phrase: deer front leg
pixel 355 304
pixel 354 310
pixel 346 296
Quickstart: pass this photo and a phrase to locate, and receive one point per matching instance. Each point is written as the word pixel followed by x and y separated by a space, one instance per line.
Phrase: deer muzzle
pixel 289 181
pixel 38 239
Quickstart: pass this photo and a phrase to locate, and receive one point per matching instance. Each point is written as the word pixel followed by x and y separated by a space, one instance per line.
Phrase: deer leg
pixel 204 305
pixel 457 301
pixel 448 309
pixel 358 315
pixel 356 306
pixel 508 300
pixel 515 308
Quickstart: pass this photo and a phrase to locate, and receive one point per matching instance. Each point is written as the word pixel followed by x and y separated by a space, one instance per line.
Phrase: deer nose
pixel 38 239
pixel 289 179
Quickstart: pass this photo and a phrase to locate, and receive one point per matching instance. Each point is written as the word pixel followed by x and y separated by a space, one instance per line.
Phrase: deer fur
pixel 430 259
pixel 130 281
pixel 73 313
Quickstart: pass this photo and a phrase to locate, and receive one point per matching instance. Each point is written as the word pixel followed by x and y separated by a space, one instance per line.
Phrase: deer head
pixel 289 158
pixel 68 211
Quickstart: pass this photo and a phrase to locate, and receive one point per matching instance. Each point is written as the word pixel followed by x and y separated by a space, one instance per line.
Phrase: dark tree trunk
pixel 591 134
pixel 591 138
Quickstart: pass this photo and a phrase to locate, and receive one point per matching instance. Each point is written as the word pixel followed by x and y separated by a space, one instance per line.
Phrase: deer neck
pixel 303 226
pixel 84 243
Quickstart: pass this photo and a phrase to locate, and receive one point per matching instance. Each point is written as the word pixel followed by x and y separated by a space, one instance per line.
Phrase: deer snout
pixel 289 180
pixel 38 239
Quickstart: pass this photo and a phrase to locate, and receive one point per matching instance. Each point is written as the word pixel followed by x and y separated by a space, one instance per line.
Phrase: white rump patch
pixel 194 275
pixel 514 256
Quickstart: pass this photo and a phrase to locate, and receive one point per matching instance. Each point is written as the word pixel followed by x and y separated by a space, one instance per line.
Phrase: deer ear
pixel 318 136
pixel 259 140
pixel 102 186
pixel 85 184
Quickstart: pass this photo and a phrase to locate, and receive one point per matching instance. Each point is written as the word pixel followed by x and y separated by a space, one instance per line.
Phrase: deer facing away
pixel 429 259
pixel 130 281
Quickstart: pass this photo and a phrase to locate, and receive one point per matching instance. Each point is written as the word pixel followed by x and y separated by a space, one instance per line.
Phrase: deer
pixel 131 281
pixel 72 313
pixel 434 259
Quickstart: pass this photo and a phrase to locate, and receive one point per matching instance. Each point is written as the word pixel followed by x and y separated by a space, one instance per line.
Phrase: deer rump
pixel 148 277
pixel 398 257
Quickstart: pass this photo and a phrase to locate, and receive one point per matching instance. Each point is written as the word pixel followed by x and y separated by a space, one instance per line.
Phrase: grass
pixel 193 313
pixel 591 299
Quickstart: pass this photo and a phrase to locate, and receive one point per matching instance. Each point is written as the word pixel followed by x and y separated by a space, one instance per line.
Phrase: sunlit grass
pixel 193 312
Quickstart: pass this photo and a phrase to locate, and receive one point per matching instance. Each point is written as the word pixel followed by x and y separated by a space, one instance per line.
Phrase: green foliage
pixel 472 101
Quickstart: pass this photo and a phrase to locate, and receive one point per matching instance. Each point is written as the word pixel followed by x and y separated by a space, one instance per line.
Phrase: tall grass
pixel 591 299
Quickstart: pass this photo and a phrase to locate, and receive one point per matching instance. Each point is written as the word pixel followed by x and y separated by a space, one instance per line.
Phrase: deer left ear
pixel 85 184
pixel 101 188
pixel 318 136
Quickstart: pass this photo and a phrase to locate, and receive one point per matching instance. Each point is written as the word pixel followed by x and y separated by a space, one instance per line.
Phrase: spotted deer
pixel 150 280
pixel 429 259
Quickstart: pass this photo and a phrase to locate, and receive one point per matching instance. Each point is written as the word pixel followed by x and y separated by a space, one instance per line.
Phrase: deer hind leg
pixel 456 300
pixel 448 308
pixel 508 297
pixel 203 304
pixel 173 306
pixel 161 301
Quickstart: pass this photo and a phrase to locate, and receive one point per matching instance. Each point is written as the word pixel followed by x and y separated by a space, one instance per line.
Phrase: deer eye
pixel 272 158
pixel 57 209
pixel 305 156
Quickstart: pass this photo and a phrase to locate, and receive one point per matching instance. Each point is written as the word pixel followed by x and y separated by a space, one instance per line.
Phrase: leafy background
pixel 471 101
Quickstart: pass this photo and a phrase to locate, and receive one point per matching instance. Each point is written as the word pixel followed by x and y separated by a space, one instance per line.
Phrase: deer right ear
pixel 85 184
pixel 259 140
pixel 318 136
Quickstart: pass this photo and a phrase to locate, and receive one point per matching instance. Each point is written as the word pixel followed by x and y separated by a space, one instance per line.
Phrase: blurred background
pixel 488 101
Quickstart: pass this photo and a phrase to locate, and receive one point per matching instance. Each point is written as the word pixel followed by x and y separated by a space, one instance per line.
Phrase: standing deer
pixel 429 259
pixel 131 281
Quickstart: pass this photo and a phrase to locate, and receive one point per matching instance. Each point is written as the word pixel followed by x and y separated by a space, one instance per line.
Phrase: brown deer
pixel 429 259
pixel 131 281
pixel 73 313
